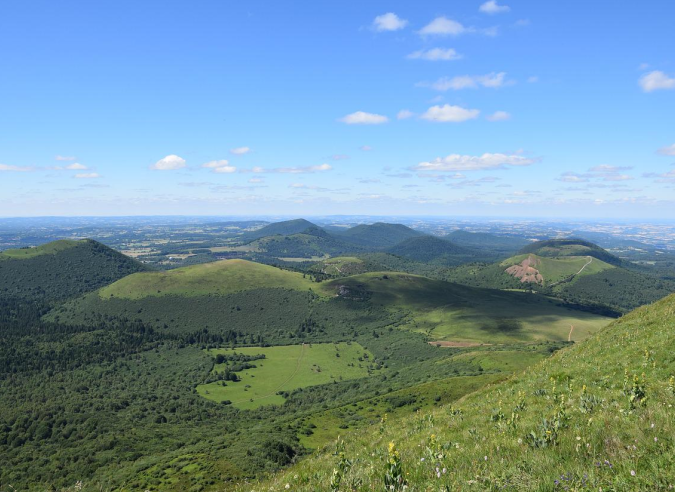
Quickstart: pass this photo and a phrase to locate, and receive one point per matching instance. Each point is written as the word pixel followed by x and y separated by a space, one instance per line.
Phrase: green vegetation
pixel 560 269
pixel 489 243
pixel 284 228
pixel 222 277
pixel 571 247
pixel 281 370
pixel 595 416
pixel 446 311
pixel 62 269
pixel 378 236
pixel 432 249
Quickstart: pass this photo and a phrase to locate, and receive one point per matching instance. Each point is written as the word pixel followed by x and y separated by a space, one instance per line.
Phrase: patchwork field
pixel 286 368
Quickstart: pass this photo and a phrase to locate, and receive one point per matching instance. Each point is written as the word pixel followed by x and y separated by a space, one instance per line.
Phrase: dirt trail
pixel 569 337
pixel 570 278
pixel 274 392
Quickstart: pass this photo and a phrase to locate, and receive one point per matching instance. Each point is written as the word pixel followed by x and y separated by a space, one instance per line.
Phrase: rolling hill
pixel 284 228
pixel 62 269
pixel 556 248
pixel 432 249
pixel 378 236
pixel 574 270
pixel 490 243
pixel 595 416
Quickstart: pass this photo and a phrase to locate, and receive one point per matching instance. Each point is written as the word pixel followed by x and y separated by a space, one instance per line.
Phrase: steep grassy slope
pixel 379 235
pixel 62 269
pixel 447 311
pixel 219 278
pixel 596 416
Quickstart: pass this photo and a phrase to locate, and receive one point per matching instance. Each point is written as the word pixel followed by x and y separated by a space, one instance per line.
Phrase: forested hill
pixel 571 247
pixel 285 228
pixel 378 235
pixel 62 269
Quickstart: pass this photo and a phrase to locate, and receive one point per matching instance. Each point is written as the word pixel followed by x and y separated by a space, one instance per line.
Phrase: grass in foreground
pixel 286 368
pixel 596 416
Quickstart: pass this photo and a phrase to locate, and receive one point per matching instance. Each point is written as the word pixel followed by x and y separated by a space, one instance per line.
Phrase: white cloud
pixel 491 80
pixel 389 22
pixel 362 118
pixel 340 157
pixel 456 162
pixel 442 26
pixel 64 158
pixel 404 114
pixel 240 150
pixel 435 54
pixel 301 170
pixel 448 113
pixel 492 7
pixel 667 150
pixel 87 176
pixel 18 169
pixel 656 80
pixel 498 116
pixel 169 163
pixel 222 166
pixel 76 167
pixel 256 180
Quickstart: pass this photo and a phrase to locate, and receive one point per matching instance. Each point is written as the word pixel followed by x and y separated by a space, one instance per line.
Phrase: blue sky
pixel 508 108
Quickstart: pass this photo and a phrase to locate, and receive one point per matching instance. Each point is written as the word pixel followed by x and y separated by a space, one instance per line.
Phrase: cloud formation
pixel 240 150
pixel 498 116
pixel 169 163
pixel 450 114
pixel 435 54
pixel 363 118
pixel 491 80
pixel 442 26
pixel 64 158
pixel 667 150
pixel 87 176
pixel 491 7
pixel 388 22
pixel 656 80
pixel 457 162
pixel 17 169
pixel 76 167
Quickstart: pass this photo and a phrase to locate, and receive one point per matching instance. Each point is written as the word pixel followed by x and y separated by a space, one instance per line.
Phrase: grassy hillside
pixel 219 278
pixel 446 311
pixel 379 235
pixel 62 269
pixel 584 280
pixel 571 247
pixel 595 416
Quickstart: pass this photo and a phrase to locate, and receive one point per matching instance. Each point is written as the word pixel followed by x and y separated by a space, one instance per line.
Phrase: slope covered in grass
pixel 62 269
pixel 379 235
pixel 571 247
pixel 219 278
pixel 595 416
pixel 447 311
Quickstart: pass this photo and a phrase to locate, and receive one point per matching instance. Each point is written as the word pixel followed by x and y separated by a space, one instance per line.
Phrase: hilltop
pixel 284 228
pixel 379 235
pixel 555 248
pixel 506 245
pixel 575 270
pixel 62 269
pixel 432 249
pixel 595 416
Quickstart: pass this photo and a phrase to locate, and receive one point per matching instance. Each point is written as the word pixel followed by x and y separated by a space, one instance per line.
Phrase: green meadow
pixel 557 269
pixel 44 249
pixel 217 278
pixel 284 369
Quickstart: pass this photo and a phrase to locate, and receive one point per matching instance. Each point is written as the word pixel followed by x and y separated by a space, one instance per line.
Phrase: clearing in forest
pixel 285 368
